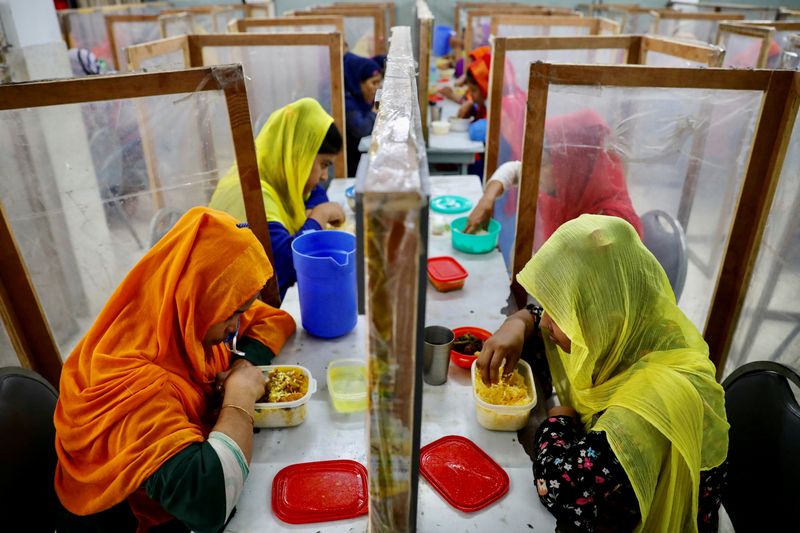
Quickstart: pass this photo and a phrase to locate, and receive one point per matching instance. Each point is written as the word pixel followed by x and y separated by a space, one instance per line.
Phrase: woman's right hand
pixel 505 345
pixel 480 216
pixel 244 383
pixel 328 213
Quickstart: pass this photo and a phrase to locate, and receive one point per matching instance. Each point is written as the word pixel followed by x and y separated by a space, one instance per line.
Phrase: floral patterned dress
pixel 579 479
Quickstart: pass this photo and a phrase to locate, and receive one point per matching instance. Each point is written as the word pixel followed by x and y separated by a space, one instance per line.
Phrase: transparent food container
pixel 505 417
pixel 283 414
pixel 347 384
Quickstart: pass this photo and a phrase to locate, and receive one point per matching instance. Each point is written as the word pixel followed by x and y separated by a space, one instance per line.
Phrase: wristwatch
pixel 536 313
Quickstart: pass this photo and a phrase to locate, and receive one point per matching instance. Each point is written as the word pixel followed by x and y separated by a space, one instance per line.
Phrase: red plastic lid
pixel 445 268
pixel 462 473
pixel 320 491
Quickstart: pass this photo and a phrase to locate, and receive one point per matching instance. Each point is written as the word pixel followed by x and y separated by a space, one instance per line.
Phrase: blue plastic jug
pixel 441 40
pixel 325 262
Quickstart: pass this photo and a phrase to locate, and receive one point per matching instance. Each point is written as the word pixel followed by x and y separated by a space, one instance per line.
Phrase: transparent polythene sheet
pixel 481 30
pixel 688 29
pixel 220 19
pixel 741 51
pixel 169 61
pixel 359 34
pixel 512 119
pixel 395 192
pixel 540 30
pixel 305 71
pixel 638 23
pixel 770 321
pixel 130 33
pixel 204 23
pixel 84 182
pixel 645 140
pixel 174 26
pixel 657 59
pixel 784 41
pixel 88 29
pixel 749 14
pixel 294 28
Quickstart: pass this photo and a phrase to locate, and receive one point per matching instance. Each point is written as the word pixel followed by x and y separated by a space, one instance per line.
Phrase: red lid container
pixel 320 491
pixel 465 360
pixel 462 473
pixel 446 274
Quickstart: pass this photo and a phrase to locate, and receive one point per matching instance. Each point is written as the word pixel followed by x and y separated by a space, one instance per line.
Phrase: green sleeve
pixel 191 487
pixel 257 353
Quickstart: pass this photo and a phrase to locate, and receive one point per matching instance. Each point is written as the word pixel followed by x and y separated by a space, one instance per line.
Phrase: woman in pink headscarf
pixel 579 176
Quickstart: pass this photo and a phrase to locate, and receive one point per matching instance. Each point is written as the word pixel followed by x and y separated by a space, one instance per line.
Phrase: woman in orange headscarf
pixel 477 86
pixel 154 422
pixel 580 175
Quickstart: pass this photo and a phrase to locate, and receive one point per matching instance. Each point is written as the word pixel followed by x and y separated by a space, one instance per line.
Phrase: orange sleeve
pixel 268 325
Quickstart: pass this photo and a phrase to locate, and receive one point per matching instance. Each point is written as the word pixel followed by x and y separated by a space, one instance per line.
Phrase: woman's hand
pixel 479 218
pixel 449 93
pixel 465 111
pixel 328 213
pixel 505 345
pixel 242 384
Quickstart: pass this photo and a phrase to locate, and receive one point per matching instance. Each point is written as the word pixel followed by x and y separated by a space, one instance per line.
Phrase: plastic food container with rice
pixel 295 384
pixel 501 416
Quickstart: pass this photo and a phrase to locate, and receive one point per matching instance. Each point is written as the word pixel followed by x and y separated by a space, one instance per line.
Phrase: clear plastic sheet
pixel 769 323
pixel 638 22
pixel 87 28
pixel 130 33
pixel 681 154
pixel 394 190
pixel 359 34
pixel 787 41
pixel 87 187
pixel 688 29
pixel 658 59
pixel 294 28
pixel 749 12
pixel 541 30
pixel 512 119
pixel 169 61
pixel 741 51
pixel 305 71
pixel 177 24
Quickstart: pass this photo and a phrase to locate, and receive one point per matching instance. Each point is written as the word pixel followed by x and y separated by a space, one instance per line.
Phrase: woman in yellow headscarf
pixel 294 150
pixel 640 434
pixel 154 421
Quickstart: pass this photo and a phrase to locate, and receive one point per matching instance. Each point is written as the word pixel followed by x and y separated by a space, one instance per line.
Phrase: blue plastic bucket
pixel 325 262
pixel 441 40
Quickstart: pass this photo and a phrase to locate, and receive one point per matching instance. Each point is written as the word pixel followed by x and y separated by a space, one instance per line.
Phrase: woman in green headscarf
pixel 294 150
pixel 641 430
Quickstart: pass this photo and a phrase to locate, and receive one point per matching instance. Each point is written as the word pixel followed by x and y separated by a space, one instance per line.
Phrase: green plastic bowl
pixel 474 244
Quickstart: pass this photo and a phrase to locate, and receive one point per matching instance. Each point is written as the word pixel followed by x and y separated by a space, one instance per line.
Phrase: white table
pixel 447 409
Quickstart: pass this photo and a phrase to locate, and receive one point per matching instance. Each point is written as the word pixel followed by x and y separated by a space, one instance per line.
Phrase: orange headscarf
pixel 480 69
pixel 137 389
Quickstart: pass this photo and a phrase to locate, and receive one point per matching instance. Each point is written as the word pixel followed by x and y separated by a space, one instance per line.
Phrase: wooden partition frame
pixel 595 24
pixel 488 10
pixel 241 25
pixel 470 5
pixel 425 42
pixel 372 10
pixel 636 46
pixel 388 7
pixel 25 319
pixel 764 33
pixel 786 14
pixel 667 14
pixel 763 170
pixel 112 41
pixel 192 46
pixel 778 25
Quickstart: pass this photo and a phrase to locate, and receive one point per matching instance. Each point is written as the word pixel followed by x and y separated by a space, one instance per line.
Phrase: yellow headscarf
pixel 285 147
pixel 638 368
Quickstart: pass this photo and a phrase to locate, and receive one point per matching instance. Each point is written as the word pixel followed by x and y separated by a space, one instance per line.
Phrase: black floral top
pixel 579 479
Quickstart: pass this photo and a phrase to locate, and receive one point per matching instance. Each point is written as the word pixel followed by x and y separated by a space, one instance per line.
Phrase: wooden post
pixel 337 21
pixel 538 86
pixel 495 112
pixel 247 166
pixel 21 311
pixel 335 55
pixel 778 114
pixel 425 36
pixel 112 40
